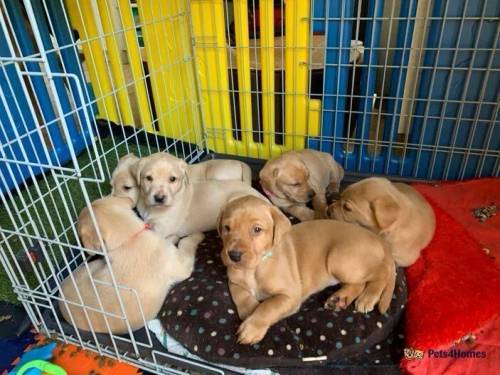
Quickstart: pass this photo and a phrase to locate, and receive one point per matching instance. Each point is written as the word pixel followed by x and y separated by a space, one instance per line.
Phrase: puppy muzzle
pixel 235 255
pixel 160 198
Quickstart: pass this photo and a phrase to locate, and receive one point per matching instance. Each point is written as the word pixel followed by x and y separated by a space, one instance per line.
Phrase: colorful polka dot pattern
pixel 200 313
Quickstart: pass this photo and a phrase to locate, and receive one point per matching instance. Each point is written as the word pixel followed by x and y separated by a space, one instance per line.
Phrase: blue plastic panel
pixel 20 126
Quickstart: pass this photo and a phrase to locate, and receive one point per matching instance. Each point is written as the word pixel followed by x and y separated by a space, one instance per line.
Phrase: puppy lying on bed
pixel 124 183
pixel 177 206
pixel 296 177
pixel 273 267
pixel 140 260
pixel 395 211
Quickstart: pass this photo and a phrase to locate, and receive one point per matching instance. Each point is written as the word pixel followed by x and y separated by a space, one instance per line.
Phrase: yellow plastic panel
pixel 115 62
pixel 314 117
pixel 297 16
pixel 211 61
pixel 266 9
pixel 185 94
pixel 164 60
pixel 135 61
pixel 155 51
pixel 244 82
pixel 82 18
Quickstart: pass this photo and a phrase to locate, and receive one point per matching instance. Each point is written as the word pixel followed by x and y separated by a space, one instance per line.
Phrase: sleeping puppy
pixel 273 267
pixel 395 211
pixel 144 266
pixel 297 177
pixel 221 170
pixel 177 206
pixel 124 184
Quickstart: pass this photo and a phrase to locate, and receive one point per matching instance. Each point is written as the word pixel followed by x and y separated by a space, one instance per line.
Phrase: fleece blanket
pixel 452 316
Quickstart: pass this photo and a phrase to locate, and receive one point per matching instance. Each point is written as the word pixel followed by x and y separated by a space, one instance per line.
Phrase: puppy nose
pixel 311 194
pixel 235 255
pixel 159 198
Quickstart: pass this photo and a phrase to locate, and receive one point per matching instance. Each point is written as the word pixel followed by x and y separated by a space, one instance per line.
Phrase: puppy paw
pixel 250 333
pixel 173 239
pixel 192 240
pixel 366 302
pixel 340 300
pixel 336 303
pixel 343 297
pixel 197 237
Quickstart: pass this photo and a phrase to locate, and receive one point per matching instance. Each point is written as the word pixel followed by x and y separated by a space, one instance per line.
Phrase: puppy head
pixel 123 183
pixel 249 227
pixel 115 219
pixel 161 177
pixel 370 203
pixel 287 177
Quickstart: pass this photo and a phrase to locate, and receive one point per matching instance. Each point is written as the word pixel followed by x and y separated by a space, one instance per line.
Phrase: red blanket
pixel 454 288
pixel 460 199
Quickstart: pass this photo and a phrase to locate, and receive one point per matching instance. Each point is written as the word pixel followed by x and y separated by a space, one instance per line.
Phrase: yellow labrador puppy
pixel 297 177
pixel 273 267
pixel 143 263
pixel 177 206
pixel 124 184
pixel 395 211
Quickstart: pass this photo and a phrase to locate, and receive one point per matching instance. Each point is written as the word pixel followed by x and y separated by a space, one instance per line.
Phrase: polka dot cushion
pixel 200 314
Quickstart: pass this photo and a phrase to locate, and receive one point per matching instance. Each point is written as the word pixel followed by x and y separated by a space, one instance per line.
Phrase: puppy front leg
pixel 186 253
pixel 319 204
pixel 245 302
pixel 267 313
pixel 301 212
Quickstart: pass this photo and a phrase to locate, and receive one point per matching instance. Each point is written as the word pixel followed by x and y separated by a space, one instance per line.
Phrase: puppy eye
pixel 346 207
pixel 127 187
pixel 149 178
pixel 172 179
pixel 257 229
pixel 226 228
pixel 296 184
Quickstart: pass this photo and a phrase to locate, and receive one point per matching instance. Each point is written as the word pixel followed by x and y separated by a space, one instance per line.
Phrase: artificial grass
pixel 50 215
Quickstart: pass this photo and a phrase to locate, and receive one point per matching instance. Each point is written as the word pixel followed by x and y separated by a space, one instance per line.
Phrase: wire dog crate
pixel 400 88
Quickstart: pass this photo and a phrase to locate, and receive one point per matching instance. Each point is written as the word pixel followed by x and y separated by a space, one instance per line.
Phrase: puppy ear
pixel 184 167
pixel 136 169
pixel 268 172
pixel 281 224
pixel 87 231
pixel 219 221
pixel 130 156
pixel 385 210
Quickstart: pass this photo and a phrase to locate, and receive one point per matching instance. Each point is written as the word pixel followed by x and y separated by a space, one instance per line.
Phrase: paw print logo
pixel 411 354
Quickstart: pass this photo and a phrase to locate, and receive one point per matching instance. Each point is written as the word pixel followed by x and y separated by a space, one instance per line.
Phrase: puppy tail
pixel 246 174
pixel 386 297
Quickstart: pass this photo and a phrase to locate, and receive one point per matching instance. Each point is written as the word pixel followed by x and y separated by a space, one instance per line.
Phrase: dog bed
pixel 199 313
